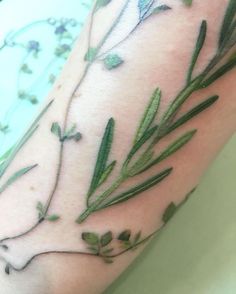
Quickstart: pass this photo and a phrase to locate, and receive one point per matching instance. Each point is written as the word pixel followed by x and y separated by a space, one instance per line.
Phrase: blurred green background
pixel 196 253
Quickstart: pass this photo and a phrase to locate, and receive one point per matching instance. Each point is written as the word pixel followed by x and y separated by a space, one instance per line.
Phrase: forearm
pixel 90 94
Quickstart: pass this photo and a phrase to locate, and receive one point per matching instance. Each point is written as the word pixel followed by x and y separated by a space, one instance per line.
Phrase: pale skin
pixel 156 55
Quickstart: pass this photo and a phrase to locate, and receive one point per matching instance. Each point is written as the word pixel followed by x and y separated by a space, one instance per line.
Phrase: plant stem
pixel 92 208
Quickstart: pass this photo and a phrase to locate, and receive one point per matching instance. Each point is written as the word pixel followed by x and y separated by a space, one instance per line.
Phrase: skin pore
pixel 155 65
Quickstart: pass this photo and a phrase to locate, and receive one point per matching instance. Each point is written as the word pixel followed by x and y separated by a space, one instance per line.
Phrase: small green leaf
pixel 112 61
pixel 198 47
pixel 101 3
pixel 7 269
pixel 192 113
pixel 172 148
pixel 188 2
pixel 56 130
pixel 102 157
pixel 108 260
pixel 90 238
pixel 107 173
pixel 107 251
pixel 94 250
pixel 160 8
pixel 77 136
pixel 137 237
pixel 144 6
pixel 16 176
pixel 91 54
pixel 41 210
pixel 149 115
pixel 53 217
pixel 125 235
pixel 228 20
pixel 169 212
pixel 106 239
pixel 138 189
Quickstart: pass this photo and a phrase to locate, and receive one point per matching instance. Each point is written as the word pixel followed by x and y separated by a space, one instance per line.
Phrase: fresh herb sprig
pixel 150 131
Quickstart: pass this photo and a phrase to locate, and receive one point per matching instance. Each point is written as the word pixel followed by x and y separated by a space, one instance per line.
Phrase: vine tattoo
pixel 150 131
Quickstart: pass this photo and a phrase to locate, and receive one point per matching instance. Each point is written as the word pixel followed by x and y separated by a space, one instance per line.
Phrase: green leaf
pixel 106 239
pixel 90 238
pixel 91 54
pixel 7 269
pixel 15 177
pixel 144 6
pixel 169 212
pixel 138 189
pixel 137 237
pixel 56 130
pixel 53 217
pixel 220 72
pixel 112 61
pixel 160 8
pixel 107 173
pixel 94 250
pixel 125 235
pixel 198 47
pixel 102 157
pixel 101 3
pixel 108 260
pixel 172 148
pixel 228 20
pixel 107 251
pixel 149 115
pixel 188 2
pixel 41 210
pixel 192 113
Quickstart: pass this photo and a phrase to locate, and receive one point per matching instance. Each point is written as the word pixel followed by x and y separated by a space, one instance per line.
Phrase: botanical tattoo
pixel 151 129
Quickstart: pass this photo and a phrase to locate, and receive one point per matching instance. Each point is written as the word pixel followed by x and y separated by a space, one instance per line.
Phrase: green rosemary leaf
pixel 94 250
pixel 41 210
pixel 160 8
pixel 188 2
pixel 169 212
pixel 106 239
pixel 90 238
pixel 15 177
pixel 107 173
pixel 192 113
pixel 56 130
pixel 101 3
pixel 53 218
pixel 112 61
pixel 91 54
pixel 102 157
pixel 125 235
pixel 147 135
pixel 172 148
pixel 149 115
pixel 228 19
pixel 6 155
pixel 220 72
pixel 199 44
pixel 138 189
pixel 22 141
pixel 7 269
pixel 140 163
pixel 108 260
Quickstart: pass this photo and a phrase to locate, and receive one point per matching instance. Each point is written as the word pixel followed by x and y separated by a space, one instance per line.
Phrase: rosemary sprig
pixel 150 133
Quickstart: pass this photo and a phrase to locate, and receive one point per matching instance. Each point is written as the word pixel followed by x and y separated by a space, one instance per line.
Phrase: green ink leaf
pixel 169 212
pixel 125 235
pixel 107 173
pixel 144 6
pixel 106 239
pixel 7 269
pixel 172 148
pixel 160 8
pixel 16 176
pixel 91 54
pixel 25 69
pixel 53 218
pixel 56 130
pixel 149 115
pixel 112 61
pixel 41 210
pixel 94 250
pixel 228 21
pixel 137 237
pixel 192 113
pixel 138 189
pixel 101 3
pixel 220 72
pixel 188 2
pixel 90 238
pixel 102 157
pixel 107 251
pixel 200 42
